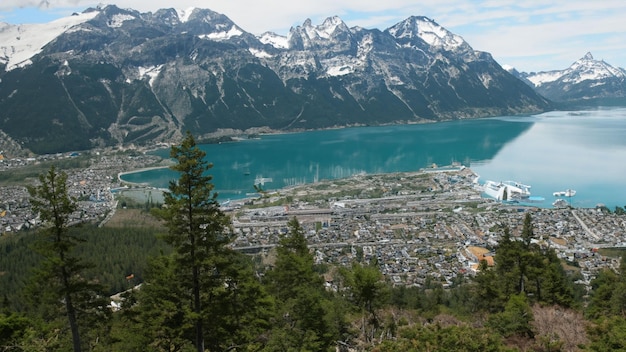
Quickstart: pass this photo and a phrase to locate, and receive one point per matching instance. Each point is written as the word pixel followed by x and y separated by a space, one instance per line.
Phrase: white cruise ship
pixel 506 190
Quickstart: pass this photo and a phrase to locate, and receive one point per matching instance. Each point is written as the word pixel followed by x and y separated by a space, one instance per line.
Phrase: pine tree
pixel 241 309
pixel 197 229
pixel 293 269
pixel 60 276
pixel 301 322
pixel 367 290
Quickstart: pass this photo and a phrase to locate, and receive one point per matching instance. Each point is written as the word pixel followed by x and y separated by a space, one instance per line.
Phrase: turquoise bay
pixel 581 150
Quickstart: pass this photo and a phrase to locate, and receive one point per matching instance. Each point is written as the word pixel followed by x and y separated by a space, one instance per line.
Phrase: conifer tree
pixel 367 290
pixel 197 229
pixel 60 276
pixel 293 270
pixel 300 323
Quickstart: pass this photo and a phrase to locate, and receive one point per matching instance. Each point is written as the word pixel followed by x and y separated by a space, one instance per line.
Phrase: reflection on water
pixel 583 151
pixel 553 151
pixel 292 159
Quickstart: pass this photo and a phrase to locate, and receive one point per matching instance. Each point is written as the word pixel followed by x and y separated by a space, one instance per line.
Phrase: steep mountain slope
pixel 116 76
pixel 585 79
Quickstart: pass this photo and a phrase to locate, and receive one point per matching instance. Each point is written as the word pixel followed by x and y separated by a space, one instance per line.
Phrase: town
pixel 421 227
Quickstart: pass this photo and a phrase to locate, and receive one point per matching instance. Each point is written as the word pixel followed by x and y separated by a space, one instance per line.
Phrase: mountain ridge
pixel 122 77
pixel 585 79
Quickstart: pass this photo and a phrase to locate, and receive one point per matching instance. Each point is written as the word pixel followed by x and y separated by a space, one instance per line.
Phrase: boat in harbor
pixel 567 193
pixel 260 180
pixel 506 190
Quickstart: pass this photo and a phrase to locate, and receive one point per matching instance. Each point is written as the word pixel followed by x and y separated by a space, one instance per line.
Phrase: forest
pixel 180 287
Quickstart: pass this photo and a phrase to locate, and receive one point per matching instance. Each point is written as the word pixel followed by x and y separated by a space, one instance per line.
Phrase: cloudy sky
pixel 530 35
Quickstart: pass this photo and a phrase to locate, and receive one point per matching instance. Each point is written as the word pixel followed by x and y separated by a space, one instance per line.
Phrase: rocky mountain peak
pixel 586 78
pixel 332 25
pixel 587 68
pixel 171 17
pixel 308 36
pixel 115 16
pixel 208 24
pixel 420 28
pixel 202 15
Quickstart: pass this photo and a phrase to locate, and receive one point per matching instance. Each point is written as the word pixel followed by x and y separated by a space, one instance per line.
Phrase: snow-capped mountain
pixel 19 43
pixel 118 76
pixel 585 79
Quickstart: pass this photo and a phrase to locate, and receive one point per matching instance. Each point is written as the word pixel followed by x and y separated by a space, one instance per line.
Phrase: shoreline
pixel 120 174
pixel 484 158
pixel 452 168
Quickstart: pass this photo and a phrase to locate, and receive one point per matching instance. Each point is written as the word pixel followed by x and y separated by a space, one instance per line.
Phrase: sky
pixel 530 35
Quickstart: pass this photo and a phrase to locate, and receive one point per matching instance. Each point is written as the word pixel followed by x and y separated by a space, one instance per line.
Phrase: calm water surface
pixel 582 150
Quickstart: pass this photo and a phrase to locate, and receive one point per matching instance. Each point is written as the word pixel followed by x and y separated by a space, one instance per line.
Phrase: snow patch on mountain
pixel 261 54
pixel 119 19
pixel 485 79
pixel 19 43
pixel 341 65
pixel 234 31
pixel 151 73
pixel 544 77
pixel 183 15
pixel 365 46
pixel 436 35
pixel 275 40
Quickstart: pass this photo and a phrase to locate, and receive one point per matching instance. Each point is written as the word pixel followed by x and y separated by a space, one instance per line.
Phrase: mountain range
pixel 585 79
pixel 111 76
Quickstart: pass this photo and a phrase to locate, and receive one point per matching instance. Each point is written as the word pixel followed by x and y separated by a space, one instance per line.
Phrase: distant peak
pixel 415 21
pixel 333 20
pixel 588 56
pixel 183 15
pixel 308 33
pixel 427 30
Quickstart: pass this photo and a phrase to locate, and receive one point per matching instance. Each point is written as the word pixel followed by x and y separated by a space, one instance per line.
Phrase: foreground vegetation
pixel 197 294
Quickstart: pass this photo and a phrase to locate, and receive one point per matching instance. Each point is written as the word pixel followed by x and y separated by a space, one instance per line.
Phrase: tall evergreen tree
pixel 61 270
pixel 197 229
pixel 293 269
pixel 160 320
pixel 367 290
pixel 241 309
pixel 301 322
